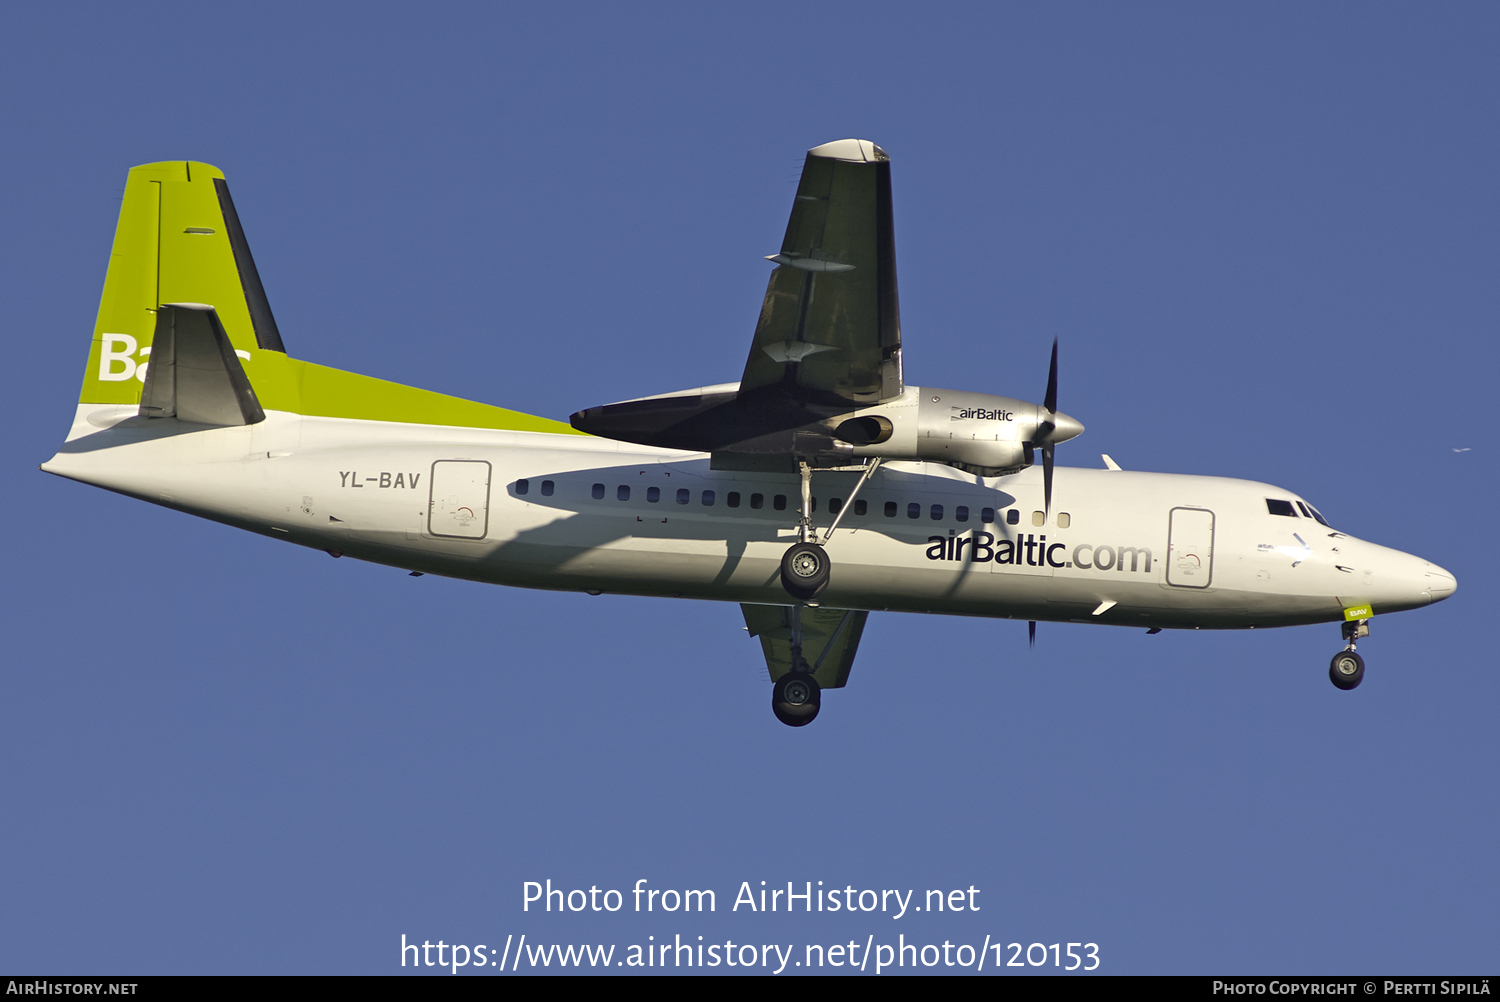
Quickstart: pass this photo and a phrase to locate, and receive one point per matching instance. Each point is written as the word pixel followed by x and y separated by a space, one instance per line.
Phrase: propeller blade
pixel 1031 632
pixel 1050 401
pixel 1045 429
pixel 1047 478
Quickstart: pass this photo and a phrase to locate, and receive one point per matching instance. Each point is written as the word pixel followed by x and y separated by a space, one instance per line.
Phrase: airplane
pixel 819 488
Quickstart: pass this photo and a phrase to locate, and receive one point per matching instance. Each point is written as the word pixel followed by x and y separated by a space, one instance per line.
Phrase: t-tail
pixel 185 332
pixel 179 241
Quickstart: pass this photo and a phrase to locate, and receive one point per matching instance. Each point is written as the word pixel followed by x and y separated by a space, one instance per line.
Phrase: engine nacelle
pixel 977 432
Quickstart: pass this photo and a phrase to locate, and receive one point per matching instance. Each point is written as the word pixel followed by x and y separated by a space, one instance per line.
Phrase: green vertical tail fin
pixel 178 240
pixel 180 265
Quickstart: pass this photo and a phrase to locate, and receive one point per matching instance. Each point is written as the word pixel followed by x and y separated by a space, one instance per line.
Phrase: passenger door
pixel 1190 548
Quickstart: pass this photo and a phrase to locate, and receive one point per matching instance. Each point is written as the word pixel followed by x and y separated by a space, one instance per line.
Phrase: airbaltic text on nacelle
pixel 766 897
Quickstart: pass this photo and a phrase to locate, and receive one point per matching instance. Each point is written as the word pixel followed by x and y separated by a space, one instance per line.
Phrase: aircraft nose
pixel 1392 580
pixel 1437 582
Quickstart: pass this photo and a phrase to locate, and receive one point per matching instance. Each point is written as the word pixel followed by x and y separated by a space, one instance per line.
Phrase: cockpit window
pixel 1319 516
pixel 1278 507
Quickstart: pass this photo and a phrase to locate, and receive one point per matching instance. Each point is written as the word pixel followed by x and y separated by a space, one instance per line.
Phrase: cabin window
pixel 890 509
pixel 757 500
pixel 1064 520
pixel 835 505
pixel 913 510
pixel 1038 518
pixel 622 493
pixel 733 500
pixel 598 492
pixel 937 513
pixel 547 488
pixel 860 507
pixel 708 499
pixel 653 494
pixel 684 495
pixel 1278 507
pixel 961 513
pixel 986 515
pixel 522 486
pixel 1013 517
pixel 779 502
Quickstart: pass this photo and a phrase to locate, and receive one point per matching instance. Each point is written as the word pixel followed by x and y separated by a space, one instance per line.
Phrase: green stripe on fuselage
pixel 290 384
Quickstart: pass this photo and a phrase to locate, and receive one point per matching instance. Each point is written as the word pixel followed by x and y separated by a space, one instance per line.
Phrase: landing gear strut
pixel 796 697
pixel 805 567
pixel 1347 669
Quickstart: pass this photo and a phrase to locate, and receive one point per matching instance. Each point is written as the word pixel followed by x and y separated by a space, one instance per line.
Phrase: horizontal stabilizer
pixel 194 374
pixel 830 638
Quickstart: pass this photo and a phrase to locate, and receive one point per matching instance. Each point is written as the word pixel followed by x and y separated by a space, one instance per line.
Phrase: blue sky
pixel 1265 236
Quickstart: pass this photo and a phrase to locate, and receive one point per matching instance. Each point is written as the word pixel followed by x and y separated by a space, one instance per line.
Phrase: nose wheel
pixel 1347 669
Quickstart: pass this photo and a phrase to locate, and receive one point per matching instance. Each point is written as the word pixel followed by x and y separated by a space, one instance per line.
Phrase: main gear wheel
pixel 796 698
pixel 804 571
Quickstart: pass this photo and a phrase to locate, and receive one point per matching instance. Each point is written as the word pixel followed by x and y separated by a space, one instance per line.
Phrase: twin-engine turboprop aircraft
pixel 819 488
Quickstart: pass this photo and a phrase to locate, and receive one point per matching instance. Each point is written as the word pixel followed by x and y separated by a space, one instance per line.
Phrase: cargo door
pixel 1190 548
pixel 459 504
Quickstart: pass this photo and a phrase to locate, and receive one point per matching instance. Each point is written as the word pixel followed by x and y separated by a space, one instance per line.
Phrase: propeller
pixel 1045 430
pixel 1051 430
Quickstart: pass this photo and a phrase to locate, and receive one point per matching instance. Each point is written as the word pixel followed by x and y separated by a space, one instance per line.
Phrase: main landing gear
pixel 804 571
pixel 805 566
pixel 1347 669
pixel 796 697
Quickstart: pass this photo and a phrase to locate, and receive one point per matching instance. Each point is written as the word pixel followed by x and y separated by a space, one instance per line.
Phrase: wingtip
pixel 852 150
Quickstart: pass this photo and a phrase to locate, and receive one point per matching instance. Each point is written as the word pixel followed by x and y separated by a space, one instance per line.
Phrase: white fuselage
pixel 1166 550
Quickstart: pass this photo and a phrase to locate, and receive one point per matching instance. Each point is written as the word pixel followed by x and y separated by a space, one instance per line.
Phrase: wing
pixel 830 325
pixel 830 637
